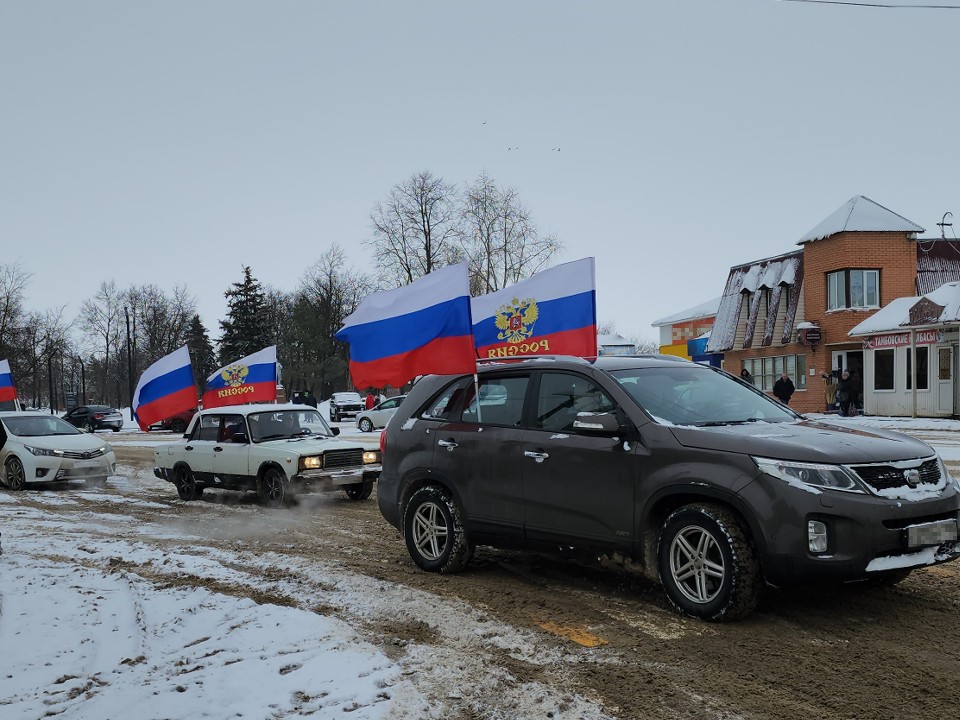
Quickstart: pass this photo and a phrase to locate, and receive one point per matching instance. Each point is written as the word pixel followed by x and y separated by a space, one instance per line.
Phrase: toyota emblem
pixel 912 477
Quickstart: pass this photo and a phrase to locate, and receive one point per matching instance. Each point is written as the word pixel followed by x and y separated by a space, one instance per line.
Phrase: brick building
pixel 793 312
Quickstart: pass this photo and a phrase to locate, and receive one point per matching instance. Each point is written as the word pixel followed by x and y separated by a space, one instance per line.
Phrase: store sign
pixel 881 342
pixel 810 336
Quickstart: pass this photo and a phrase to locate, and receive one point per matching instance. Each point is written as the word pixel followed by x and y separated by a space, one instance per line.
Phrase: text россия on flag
pixel 164 389
pixel 553 312
pixel 250 379
pixel 419 329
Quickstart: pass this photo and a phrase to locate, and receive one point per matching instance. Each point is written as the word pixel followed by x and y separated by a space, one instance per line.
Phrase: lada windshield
pixel 690 394
pixel 287 424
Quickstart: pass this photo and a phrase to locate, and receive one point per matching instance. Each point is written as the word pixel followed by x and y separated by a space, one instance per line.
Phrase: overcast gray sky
pixel 174 142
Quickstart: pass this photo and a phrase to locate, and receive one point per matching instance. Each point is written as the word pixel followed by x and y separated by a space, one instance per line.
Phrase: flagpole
pixel 476 394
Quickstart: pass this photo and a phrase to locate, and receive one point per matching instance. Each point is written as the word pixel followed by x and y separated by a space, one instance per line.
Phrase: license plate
pixel 935 533
pixel 80 464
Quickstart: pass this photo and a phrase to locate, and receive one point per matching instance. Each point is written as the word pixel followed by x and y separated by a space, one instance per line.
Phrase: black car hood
pixel 805 441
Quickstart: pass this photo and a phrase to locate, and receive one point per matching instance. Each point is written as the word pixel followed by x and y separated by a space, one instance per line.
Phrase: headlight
pixel 314 462
pixel 370 457
pixel 946 474
pixel 815 475
pixel 43 452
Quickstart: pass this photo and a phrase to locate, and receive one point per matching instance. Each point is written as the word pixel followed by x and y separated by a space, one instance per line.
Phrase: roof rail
pixel 510 358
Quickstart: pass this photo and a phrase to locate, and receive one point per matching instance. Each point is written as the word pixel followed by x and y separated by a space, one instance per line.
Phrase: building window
pixel 923 371
pixel 853 289
pixel 767 370
pixel 883 369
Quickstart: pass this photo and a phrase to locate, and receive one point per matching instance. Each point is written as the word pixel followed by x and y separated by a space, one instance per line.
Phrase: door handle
pixel 448 444
pixel 218 449
pixel 537 456
pixel 189 447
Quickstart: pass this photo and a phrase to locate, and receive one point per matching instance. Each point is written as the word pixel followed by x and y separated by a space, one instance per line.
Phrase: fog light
pixel 42 472
pixel 816 536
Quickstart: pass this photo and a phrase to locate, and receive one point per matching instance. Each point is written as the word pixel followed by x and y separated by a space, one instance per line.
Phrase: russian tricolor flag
pixel 553 312
pixel 420 329
pixel 165 388
pixel 250 379
pixel 7 389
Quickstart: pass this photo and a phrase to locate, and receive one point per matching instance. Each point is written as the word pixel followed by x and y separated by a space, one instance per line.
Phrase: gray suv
pixel 710 486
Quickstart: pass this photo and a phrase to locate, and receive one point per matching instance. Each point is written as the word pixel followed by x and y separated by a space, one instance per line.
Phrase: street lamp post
pixel 126 313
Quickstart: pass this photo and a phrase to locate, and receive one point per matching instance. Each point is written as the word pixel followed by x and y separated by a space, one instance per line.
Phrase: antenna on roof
pixel 944 224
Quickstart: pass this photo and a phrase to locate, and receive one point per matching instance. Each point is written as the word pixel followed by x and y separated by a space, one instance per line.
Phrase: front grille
pixel 887 477
pixel 89 455
pixel 342 458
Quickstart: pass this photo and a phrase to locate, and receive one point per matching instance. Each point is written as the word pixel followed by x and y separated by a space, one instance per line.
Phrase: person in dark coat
pixel 309 398
pixel 746 376
pixel 845 394
pixel 783 389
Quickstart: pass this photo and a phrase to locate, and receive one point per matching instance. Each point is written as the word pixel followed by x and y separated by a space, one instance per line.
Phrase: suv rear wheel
pixel 433 529
pixel 708 566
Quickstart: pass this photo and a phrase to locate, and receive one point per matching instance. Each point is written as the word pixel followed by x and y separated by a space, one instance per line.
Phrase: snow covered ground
pixel 82 639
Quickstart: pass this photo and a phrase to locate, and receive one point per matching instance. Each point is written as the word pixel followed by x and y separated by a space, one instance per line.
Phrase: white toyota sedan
pixel 40 448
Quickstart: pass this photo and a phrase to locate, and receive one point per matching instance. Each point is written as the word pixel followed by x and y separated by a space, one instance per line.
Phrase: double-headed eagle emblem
pixel 515 320
pixel 234 375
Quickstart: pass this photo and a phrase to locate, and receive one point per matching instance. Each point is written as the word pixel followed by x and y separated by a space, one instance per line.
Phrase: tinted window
pixel 445 402
pixel 501 401
pixel 563 396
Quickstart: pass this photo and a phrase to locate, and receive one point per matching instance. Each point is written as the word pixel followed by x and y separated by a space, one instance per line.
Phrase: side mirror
pixel 335 431
pixel 599 424
pixel 239 438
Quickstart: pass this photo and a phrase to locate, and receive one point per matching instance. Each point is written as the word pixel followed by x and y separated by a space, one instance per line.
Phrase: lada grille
pixel 886 477
pixel 342 458
pixel 88 455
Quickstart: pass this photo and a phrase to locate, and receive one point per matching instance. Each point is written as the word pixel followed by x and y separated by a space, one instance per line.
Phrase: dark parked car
pixel 176 423
pixel 95 417
pixel 345 404
pixel 701 480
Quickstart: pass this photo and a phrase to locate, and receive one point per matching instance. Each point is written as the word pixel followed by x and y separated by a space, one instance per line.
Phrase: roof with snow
pixel 940 307
pixel 783 276
pixel 707 309
pixel 938 262
pixel 860 214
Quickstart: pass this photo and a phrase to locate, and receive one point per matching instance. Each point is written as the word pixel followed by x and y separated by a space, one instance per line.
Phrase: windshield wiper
pixel 717 423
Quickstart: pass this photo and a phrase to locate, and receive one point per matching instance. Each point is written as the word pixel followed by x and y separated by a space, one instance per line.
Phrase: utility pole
pixel 126 313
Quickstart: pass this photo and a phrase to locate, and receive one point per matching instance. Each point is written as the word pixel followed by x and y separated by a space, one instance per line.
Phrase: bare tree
pixel 13 283
pixel 415 229
pixel 101 316
pixel 500 239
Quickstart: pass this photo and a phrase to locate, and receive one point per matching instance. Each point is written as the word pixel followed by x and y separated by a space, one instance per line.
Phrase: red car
pixel 176 423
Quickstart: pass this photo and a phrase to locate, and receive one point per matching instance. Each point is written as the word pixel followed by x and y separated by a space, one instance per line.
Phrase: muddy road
pixel 603 634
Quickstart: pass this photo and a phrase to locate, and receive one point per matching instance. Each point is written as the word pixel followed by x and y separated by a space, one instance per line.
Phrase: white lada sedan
pixel 279 451
pixel 40 448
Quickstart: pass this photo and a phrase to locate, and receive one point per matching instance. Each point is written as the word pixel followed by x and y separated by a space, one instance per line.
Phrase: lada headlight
pixel 43 452
pixel 312 462
pixel 832 477
pixel 370 457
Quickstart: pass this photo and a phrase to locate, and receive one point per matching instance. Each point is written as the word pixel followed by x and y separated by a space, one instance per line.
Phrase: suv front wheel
pixel 708 566
pixel 433 529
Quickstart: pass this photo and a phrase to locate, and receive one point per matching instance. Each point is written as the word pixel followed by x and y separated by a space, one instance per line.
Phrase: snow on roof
pixel 703 310
pixel 938 262
pixel 780 271
pixel 611 340
pixel 860 214
pixel 896 316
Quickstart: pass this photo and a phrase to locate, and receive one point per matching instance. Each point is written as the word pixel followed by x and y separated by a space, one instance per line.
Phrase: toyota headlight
pixel 832 477
pixel 43 452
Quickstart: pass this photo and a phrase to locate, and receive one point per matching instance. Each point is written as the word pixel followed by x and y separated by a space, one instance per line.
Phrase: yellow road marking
pixel 578 635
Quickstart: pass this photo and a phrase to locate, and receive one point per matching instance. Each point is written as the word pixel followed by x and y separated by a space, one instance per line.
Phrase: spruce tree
pixel 201 352
pixel 246 328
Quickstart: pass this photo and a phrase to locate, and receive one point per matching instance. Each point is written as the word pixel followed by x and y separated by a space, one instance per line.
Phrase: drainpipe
pixel 913 368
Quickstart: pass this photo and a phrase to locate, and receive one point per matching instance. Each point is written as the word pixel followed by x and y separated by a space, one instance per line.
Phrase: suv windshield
pixel 286 424
pixel 347 397
pixel 697 395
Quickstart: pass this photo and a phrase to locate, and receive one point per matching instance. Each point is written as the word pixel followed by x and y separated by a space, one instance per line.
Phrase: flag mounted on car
pixel 8 390
pixel 250 379
pixel 553 312
pixel 164 389
pixel 420 329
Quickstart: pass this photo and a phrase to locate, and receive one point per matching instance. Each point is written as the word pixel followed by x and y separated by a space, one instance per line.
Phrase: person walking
pixel 783 389
pixel 370 401
pixel 309 398
pixel 845 394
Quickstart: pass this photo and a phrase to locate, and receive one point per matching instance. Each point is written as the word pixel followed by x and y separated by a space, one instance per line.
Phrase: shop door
pixel 945 380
